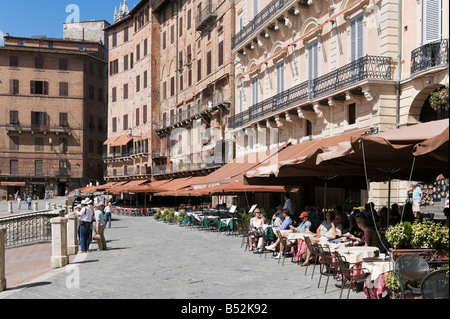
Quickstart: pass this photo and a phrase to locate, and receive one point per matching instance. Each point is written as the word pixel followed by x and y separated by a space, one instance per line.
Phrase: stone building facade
pixel 53 109
pixel 314 69
pixel 133 72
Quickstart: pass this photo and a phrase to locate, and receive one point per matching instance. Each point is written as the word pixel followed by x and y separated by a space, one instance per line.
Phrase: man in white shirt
pixel 85 218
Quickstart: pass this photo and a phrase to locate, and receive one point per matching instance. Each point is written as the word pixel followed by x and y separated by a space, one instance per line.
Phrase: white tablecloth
pixel 376 268
pixel 356 254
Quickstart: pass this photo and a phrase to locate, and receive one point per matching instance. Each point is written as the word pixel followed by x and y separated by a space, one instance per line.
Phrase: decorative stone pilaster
pixel 35 206
pixel 59 242
pixel 2 258
pixel 72 234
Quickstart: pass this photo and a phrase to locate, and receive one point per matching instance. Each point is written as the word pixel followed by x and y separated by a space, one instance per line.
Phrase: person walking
pixel 19 201
pixel 108 217
pixel 29 202
pixel 100 226
pixel 417 199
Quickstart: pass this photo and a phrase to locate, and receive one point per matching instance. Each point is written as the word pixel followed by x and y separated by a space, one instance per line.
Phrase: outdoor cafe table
pixel 355 254
pixel 375 283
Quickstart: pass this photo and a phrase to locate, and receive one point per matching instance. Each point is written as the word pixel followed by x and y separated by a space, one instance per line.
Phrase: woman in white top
pixel 100 227
pixel 255 223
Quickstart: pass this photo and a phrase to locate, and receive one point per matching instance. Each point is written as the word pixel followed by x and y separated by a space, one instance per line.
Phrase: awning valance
pixel 122 140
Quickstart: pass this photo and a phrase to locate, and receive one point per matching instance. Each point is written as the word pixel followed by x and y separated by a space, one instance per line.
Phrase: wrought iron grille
pixel 265 15
pixel 28 229
pixel 365 68
pixel 429 55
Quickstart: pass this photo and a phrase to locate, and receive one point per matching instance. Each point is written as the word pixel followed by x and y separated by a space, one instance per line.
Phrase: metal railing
pixel 201 106
pixel 207 14
pixel 38 128
pixel 262 18
pixel 429 55
pixel 29 228
pixel 365 68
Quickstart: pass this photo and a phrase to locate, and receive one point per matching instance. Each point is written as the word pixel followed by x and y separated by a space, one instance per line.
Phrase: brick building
pixel 53 115
pixel 195 87
pixel 132 71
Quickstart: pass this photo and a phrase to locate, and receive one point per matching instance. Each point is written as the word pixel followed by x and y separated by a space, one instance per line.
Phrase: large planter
pixel 430 255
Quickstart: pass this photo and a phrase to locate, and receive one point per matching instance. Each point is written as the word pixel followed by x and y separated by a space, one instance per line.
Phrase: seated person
pixel 277 218
pixel 354 230
pixel 305 224
pixel 370 238
pixel 284 226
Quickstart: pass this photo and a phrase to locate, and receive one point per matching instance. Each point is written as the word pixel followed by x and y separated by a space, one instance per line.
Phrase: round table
pixel 375 284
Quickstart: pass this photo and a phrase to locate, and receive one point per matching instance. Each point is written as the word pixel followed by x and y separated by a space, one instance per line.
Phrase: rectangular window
pixel 63 89
pixel 39 121
pixel 39 144
pixel 308 128
pixel 208 63
pixel 138 83
pixel 125 91
pixel 13 167
pixel 125 62
pixel 352 113
pixel 145 47
pixel 190 77
pixel 199 69
pixel 114 39
pixel 14 61
pixel 220 53
pixel 138 52
pixel 144 114
pixel 91 146
pixel 181 82
pixel 312 61
pixel 164 92
pixel 357 38
pixel 125 34
pixel 63 119
pixel 14 117
pixel 137 117
pixel 63 145
pixel 14 86
pixel 91 91
pixel 145 79
pixel 114 124
pixel 164 40
pixel 100 95
pixel 280 77
pixel 125 122
pixel 13 143
pixel 189 18
pixel 114 67
pixel 181 27
pixel 38 168
pixel 254 88
pixel 172 33
pixel 39 87
pixel 114 94
pixel 63 65
pixel 172 86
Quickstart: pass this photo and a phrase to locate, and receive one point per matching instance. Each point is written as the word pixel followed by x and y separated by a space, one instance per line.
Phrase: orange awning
pixel 241 188
pixel 111 140
pixel 122 140
pixel 12 183
pixel 125 188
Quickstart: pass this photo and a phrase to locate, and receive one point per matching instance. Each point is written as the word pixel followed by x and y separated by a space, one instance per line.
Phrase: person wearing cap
pixel 305 224
pixel 85 219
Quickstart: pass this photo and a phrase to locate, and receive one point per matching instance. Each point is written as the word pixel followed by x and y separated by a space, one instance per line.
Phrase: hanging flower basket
pixel 439 99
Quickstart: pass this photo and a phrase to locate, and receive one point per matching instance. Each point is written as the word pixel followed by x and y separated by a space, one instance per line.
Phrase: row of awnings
pixel 419 151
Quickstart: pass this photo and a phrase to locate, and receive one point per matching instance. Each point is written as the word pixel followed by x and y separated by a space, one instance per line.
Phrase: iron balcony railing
pixel 202 106
pixel 262 18
pixel 206 16
pixel 38 128
pixel 365 68
pixel 429 55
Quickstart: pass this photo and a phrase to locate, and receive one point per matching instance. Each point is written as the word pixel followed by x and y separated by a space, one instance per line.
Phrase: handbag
pixel 97 237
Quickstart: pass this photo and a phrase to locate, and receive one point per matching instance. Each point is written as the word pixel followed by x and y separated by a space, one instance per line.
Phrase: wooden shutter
pixel 172 86
pixel 63 119
pixel 189 18
pixel 199 69
pixel 208 63
pixel 357 38
pixel 14 117
pixel 144 114
pixel 45 88
pixel 137 117
pixel 220 53
pixel 32 87
pixel 431 20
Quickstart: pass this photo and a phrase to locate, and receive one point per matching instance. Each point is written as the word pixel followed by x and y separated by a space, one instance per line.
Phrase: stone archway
pixel 420 107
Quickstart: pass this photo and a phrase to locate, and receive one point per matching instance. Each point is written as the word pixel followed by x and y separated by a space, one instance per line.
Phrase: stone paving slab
pixel 148 259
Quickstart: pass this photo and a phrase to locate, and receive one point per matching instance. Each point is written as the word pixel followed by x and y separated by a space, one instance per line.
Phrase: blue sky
pixel 46 17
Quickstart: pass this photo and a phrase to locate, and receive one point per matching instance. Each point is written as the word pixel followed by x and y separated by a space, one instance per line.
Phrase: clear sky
pixel 46 17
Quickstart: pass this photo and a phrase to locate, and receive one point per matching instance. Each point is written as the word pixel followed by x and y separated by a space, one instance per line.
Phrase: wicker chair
pixel 435 285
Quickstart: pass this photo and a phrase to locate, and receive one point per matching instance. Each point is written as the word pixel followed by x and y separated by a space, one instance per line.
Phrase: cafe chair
pixel 287 246
pixel 350 275
pixel 435 285
pixel 406 268
pixel 313 252
pixel 328 262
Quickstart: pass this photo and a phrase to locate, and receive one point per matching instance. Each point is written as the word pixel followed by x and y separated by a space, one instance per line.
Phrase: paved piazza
pixel 149 259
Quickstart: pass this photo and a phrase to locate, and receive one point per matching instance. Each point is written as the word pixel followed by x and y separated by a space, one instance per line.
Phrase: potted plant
pixel 439 99
pixel 399 236
pixel 156 216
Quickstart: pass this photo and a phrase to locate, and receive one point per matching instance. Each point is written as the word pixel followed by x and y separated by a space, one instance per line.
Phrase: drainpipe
pixel 399 64
pixel 233 95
